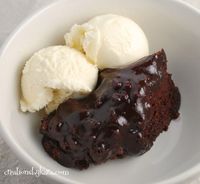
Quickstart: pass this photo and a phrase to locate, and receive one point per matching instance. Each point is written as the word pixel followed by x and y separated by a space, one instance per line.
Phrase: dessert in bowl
pixel 172 148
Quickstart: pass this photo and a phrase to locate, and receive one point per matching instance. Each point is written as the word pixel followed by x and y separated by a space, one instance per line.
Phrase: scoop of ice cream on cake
pixel 109 41
pixel 54 74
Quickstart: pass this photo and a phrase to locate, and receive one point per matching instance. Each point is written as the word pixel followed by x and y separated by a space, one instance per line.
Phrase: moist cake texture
pixel 123 116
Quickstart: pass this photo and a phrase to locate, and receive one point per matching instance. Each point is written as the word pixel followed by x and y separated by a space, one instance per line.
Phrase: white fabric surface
pixel 12 12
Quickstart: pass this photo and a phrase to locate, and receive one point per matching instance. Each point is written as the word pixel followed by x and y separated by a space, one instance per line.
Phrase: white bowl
pixel 169 24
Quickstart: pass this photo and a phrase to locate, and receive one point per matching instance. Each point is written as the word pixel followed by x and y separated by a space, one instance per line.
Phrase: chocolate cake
pixel 127 111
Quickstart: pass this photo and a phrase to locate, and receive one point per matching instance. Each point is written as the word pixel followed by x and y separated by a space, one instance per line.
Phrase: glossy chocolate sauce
pixel 123 116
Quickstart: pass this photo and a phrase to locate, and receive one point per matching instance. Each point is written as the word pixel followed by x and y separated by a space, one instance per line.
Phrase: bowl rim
pixel 24 156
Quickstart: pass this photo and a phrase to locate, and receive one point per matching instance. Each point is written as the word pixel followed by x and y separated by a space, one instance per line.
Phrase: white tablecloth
pixel 12 12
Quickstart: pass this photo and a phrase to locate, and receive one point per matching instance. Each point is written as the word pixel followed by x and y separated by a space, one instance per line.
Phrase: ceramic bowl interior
pixel 171 25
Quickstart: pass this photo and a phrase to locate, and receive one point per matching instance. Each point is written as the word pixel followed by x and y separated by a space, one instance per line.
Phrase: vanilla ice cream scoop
pixel 109 41
pixel 54 74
